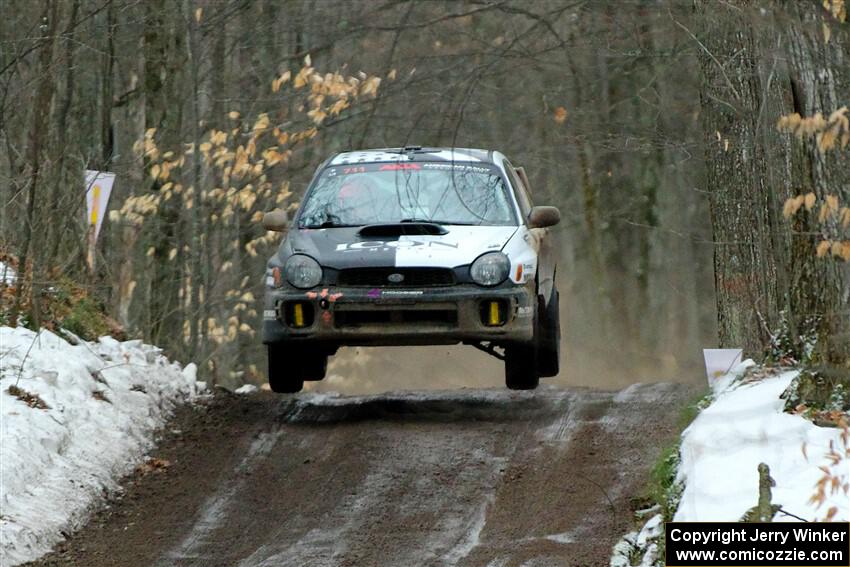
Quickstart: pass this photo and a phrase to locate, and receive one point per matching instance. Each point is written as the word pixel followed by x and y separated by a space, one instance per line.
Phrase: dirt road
pixel 465 477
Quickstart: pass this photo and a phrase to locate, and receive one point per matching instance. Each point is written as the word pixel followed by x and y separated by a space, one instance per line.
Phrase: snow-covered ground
pixel 745 426
pixel 720 451
pixel 640 548
pixel 104 402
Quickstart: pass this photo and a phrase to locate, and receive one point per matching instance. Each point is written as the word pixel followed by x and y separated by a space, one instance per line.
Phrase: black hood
pixel 332 248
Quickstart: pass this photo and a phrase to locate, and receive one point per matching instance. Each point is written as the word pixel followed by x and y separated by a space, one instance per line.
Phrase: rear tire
pixel 549 349
pixel 289 368
pixel 521 367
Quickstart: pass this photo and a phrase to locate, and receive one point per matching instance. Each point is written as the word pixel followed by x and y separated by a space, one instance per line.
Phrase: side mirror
pixel 276 220
pixel 541 217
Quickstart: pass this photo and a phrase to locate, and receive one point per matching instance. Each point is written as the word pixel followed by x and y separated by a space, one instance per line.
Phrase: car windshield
pixel 382 193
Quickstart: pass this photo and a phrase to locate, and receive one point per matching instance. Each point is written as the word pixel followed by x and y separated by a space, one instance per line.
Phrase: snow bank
pixel 640 544
pixel 105 401
pixel 745 426
pixel 246 389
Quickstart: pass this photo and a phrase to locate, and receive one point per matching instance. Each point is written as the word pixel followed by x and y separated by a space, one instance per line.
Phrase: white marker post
pixel 98 190
pixel 720 361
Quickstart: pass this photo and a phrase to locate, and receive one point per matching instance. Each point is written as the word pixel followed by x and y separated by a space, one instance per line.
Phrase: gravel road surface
pixel 462 477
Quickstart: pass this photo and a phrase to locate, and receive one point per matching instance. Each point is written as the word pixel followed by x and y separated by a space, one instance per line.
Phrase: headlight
pixel 303 271
pixel 490 269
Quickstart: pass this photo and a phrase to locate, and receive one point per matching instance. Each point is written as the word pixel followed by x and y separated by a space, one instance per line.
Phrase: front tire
pixel 315 366
pixel 289 368
pixel 521 367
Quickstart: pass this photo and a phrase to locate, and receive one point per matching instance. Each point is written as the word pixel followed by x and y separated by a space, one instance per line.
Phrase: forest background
pixel 694 214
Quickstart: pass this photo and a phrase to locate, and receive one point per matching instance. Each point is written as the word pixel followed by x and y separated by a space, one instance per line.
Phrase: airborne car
pixel 413 246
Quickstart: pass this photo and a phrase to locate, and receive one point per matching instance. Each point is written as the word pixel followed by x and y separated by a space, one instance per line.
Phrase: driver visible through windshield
pixel 383 193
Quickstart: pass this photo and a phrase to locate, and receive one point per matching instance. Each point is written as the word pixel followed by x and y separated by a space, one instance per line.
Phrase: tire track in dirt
pixel 465 477
pixel 214 511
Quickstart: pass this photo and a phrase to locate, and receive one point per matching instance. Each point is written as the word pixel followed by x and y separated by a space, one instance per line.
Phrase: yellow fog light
pixel 493 313
pixel 299 314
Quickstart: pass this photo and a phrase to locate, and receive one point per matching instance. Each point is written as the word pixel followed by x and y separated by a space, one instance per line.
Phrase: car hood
pixel 341 248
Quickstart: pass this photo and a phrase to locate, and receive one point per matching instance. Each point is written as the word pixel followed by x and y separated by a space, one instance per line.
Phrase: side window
pixel 520 191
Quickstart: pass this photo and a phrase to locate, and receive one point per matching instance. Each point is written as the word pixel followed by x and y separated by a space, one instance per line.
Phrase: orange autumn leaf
pixel 560 115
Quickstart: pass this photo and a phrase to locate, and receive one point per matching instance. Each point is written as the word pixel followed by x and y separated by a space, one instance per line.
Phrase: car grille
pixel 381 277
pixel 357 318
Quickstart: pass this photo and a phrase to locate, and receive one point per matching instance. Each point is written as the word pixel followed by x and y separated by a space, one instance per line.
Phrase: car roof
pixel 413 153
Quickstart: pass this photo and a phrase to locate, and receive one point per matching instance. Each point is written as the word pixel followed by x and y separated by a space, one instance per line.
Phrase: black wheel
pixel 549 345
pixel 288 368
pixel 315 366
pixel 521 366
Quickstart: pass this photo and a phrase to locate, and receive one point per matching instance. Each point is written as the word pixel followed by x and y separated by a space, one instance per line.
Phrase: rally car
pixel 413 246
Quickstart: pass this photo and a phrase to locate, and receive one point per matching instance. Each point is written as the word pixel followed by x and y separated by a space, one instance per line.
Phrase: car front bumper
pixel 353 316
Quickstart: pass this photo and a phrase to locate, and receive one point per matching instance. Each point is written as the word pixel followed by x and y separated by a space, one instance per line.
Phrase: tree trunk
pixel 107 136
pixel 57 223
pixel 195 243
pixel 772 292
pixel 819 78
pixel 746 287
pixel 37 138
pixel 161 75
